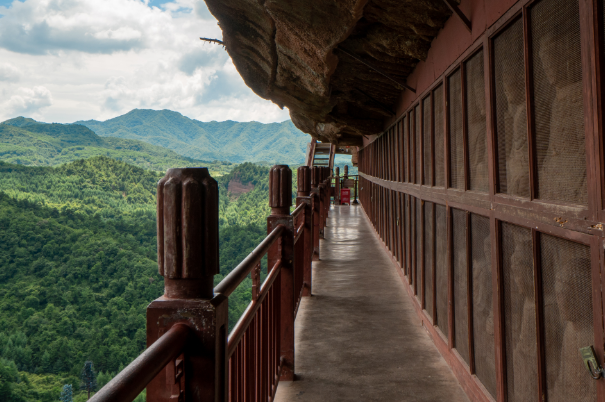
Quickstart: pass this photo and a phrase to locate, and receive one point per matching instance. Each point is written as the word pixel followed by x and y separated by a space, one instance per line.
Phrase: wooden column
pixel 280 201
pixel 304 197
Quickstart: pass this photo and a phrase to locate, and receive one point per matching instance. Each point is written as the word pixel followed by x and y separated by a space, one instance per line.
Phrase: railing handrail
pixel 244 321
pixel 299 209
pixel 134 378
pixel 239 273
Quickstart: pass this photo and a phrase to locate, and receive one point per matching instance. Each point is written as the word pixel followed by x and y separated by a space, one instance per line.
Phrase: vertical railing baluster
pixel 304 196
pixel 336 185
pixel 316 203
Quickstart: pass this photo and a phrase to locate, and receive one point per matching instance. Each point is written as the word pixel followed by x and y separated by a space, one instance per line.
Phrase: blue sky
pixel 68 60
pixel 155 3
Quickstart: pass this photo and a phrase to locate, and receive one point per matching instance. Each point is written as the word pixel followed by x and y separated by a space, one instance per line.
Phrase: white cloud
pixel 8 72
pixel 101 59
pixel 28 101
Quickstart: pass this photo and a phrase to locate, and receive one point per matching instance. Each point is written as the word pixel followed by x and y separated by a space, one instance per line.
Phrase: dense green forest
pixel 27 142
pixel 226 140
pixel 78 266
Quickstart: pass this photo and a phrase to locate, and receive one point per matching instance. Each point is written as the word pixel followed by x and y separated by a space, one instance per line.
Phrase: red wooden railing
pixel 189 355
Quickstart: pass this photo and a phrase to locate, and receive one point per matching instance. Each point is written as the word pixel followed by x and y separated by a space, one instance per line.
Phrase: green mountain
pixel 231 141
pixel 78 266
pixel 27 142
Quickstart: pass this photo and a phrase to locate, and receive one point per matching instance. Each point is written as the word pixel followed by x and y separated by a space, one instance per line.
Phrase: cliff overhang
pixel 339 66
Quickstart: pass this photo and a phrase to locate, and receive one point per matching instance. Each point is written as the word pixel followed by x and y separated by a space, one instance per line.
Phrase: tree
pixel 6 380
pixel 46 367
pixel 66 393
pixel 88 377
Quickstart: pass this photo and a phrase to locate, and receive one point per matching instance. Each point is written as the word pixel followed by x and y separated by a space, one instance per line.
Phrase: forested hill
pixel 27 142
pixel 78 266
pixel 228 140
pixel 97 186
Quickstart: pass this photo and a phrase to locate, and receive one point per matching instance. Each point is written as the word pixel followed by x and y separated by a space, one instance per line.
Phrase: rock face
pixel 237 188
pixel 288 51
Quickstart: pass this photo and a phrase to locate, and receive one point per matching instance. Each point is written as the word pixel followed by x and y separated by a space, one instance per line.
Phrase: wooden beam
pixel 379 71
pixel 456 10
pixel 377 102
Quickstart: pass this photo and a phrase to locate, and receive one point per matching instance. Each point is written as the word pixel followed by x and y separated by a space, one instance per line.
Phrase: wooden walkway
pixel 358 337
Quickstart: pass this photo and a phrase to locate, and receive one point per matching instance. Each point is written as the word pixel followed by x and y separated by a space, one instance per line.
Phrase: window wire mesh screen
pixel 455 132
pixel 385 153
pixel 511 111
pixel 439 130
pixel 568 325
pixel 460 283
pixel 418 145
pixel 400 150
pixel 400 232
pixel 441 268
pixel 388 221
pixel 426 128
pixel 558 109
pixel 413 242
pixel 407 237
pixel 483 312
pixel 392 151
pixel 406 150
pixel 475 115
pixel 419 229
pixel 429 252
pixel 519 314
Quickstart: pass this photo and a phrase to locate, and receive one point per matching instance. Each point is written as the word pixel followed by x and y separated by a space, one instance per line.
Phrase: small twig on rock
pixel 217 41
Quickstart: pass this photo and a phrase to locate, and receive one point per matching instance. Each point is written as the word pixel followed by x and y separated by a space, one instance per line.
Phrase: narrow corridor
pixel 358 337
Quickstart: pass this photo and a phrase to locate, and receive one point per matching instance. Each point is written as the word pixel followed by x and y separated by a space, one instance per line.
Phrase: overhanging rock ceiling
pixel 290 52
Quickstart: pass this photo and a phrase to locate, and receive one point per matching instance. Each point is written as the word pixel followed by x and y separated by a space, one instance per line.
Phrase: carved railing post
pixel 322 198
pixel 345 173
pixel 187 217
pixel 317 207
pixel 327 181
pixel 304 197
pixel 280 201
pixel 336 185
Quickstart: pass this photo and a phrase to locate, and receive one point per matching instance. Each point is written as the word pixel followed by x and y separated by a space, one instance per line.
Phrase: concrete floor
pixel 358 337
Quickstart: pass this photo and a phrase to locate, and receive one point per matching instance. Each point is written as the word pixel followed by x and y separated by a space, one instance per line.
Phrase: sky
pixel 68 60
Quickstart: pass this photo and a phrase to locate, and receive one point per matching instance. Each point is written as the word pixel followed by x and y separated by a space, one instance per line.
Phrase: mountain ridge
pixel 228 140
pixel 27 142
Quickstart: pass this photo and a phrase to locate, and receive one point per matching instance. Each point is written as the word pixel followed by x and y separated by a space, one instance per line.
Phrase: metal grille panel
pixel 441 269
pixel 429 252
pixel 439 130
pixel 418 146
pixel 558 109
pixel 406 152
pixel 460 283
pixel 455 133
pixel 413 230
pixel 419 229
pixel 426 128
pixel 483 312
pixel 511 111
pixel 568 325
pixel 407 237
pixel 475 117
pixel 519 314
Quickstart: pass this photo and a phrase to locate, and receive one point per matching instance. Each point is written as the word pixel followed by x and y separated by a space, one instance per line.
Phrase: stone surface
pixel 287 51
pixel 358 337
